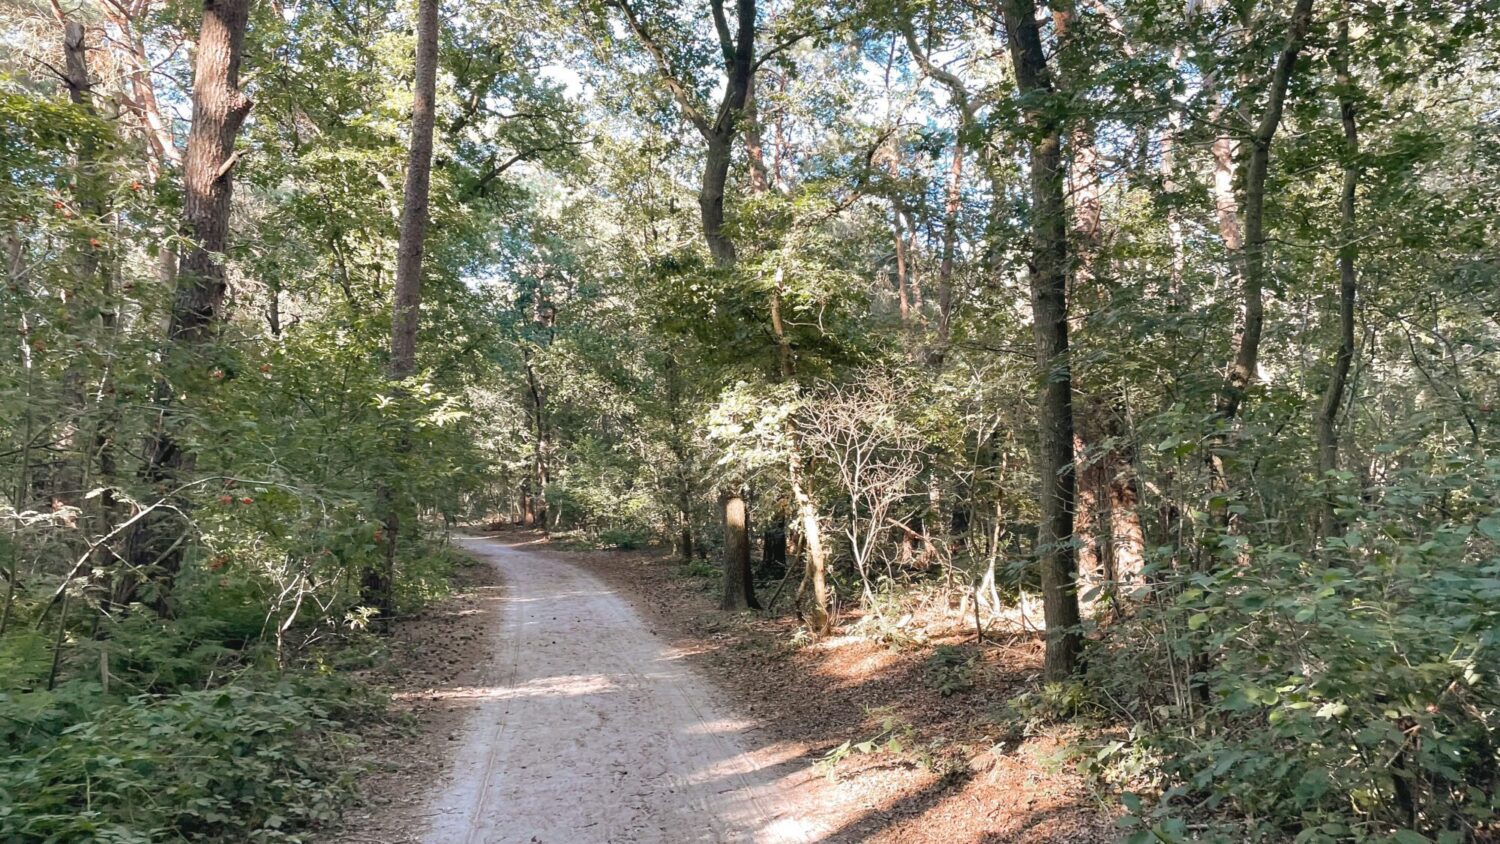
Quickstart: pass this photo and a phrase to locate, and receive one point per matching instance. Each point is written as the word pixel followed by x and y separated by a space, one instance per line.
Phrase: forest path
pixel 592 729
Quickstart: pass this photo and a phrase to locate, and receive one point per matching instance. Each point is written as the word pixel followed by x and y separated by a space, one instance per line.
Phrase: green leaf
pixel 1490 527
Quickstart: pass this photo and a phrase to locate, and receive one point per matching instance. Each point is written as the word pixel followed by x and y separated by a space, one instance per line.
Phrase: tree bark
pixel 1333 395
pixel 219 110
pixel 739 66
pixel 711 199
pixel 739 585
pixel 903 292
pixel 377 585
pixel 65 480
pixel 679 445
pixel 755 153
pixel 1049 304
pixel 138 67
pixel 95 464
pixel 814 561
pixel 406 300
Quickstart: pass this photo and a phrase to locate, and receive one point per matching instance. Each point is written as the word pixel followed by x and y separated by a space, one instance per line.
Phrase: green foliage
pixel 1349 694
pixel 622 540
pixel 235 762
pixel 1031 711
pixel 951 669
pixel 896 736
pixel 701 569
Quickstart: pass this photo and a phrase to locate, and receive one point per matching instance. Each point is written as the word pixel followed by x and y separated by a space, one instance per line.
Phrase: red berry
pixel 247 500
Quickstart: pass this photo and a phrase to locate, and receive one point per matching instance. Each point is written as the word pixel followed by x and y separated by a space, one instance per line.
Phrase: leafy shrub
pixel 950 670
pixel 896 736
pixel 700 568
pixel 1349 697
pixel 232 763
pixel 622 539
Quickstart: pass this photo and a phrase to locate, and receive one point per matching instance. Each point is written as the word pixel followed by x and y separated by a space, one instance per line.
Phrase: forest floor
pixel 576 696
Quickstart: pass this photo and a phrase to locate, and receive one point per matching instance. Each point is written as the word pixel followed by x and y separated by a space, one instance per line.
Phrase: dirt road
pixel 590 729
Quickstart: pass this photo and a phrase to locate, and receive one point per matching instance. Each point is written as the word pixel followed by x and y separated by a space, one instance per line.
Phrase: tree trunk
pixel 719 129
pixel 138 68
pixel 953 196
pixel 1242 367
pixel 755 153
pixel 219 110
pixel 898 238
pixel 814 563
pixel 685 537
pixel 406 300
pixel 711 198
pixel 1091 503
pixel 94 464
pixel 539 444
pixel 739 66
pixel 1127 536
pixel 814 571
pixel 1049 304
pixel 1333 396
pixel 679 445
pixel 68 473
pixel 739 584
pixel 773 547
pixel 377 586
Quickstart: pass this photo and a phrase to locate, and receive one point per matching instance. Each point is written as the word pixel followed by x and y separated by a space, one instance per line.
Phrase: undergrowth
pixel 193 728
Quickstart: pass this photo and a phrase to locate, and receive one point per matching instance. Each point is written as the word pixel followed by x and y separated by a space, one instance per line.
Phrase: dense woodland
pixel 1173 325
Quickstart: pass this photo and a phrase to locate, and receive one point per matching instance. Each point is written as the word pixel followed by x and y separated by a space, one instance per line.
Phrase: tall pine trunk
pixel 377 584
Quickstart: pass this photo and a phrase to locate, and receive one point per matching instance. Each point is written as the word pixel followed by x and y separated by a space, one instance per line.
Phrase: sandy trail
pixel 590 729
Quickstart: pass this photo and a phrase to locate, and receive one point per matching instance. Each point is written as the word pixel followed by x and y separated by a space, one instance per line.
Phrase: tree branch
pixel 664 69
